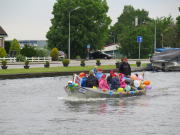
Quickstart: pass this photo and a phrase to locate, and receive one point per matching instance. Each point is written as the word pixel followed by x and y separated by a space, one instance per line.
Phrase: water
pixel 40 106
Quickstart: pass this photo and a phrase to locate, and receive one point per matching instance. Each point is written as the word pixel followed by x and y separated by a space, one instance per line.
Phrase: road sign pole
pixel 139 50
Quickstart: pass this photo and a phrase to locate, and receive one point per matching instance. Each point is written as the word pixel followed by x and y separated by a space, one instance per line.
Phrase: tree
pixel 28 51
pixel 7 46
pixel 129 46
pixel 54 54
pixel 2 52
pixel 15 46
pixel 89 25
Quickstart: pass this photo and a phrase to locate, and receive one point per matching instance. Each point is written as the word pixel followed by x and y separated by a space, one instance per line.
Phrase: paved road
pixel 72 63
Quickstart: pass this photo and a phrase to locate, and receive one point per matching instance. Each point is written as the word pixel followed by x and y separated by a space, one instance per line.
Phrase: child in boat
pixel 91 80
pixel 83 83
pixel 109 78
pixel 103 83
pixel 115 82
pixel 98 73
pixel 121 80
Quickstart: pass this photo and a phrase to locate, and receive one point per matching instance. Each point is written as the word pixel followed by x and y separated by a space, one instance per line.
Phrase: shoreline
pixel 52 74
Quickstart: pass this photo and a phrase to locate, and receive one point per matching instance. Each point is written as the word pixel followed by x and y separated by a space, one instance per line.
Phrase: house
pixel 3 34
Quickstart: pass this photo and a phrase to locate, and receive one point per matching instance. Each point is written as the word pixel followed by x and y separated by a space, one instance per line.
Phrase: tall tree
pixel 129 46
pixel 15 46
pixel 89 25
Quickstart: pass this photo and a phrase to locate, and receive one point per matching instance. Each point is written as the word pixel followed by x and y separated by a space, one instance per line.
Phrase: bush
pixel 4 62
pixel 2 52
pixel 118 61
pixel 54 54
pixel 82 61
pixel 60 59
pixel 27 62
pixel 65 61
pixel 122 59
pixel 28 51
pixel 78 57
pixel 20 58
pixel 97 61
pixel 138 61
pixel 15 46
pixel 7 46
pixel 47 63
pixel 41 52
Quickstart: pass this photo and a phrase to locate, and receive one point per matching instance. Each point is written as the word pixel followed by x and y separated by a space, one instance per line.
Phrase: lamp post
pixel 69 30
pixel 114 43
pixel 162 40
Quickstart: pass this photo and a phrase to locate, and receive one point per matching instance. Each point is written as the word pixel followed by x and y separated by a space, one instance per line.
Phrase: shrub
pixel 78 57
pixel 122 59
pixel 47 63
pixel 118 61
pixel 60 59
pixel 28 51
pixel 54 54
pixel 4 62
pixel 2 52
pixel 7 46
pixel 82 61
pixel 41 52
pixel 138 61
pixel 27 62
pixel 20 58
pixel 97 61
pixel 15 46
pixel 65 61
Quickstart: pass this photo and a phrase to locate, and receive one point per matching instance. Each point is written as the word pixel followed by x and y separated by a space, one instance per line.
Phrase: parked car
pixel 62 54
pixel 100 55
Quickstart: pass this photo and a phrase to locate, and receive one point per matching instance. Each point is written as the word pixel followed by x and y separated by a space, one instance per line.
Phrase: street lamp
pixel 69 30
pixel 162 40
pixel 114 43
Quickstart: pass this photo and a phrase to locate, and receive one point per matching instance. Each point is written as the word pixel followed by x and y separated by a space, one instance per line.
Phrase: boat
pixel 167 60
pixel 84 92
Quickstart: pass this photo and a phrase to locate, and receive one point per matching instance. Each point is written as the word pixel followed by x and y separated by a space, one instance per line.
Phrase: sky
pixel 30 19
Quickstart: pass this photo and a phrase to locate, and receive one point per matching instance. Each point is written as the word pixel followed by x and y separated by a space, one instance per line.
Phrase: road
pixel 72 63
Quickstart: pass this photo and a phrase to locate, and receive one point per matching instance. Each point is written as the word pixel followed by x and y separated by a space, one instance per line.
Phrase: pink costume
pixel 122 82
pixel 103 84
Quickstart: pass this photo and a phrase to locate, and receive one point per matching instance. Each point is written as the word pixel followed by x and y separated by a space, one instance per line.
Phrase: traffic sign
pixel 139 39
pixel 88 46
pixel 88 49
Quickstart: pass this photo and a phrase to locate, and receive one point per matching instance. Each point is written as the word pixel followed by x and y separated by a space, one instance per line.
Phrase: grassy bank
pixel 57 69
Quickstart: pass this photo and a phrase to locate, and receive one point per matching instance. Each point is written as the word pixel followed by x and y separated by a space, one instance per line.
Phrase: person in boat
pixel 133 88
pixel 91 80
pixel 115 82
pixel 103 83
pixel 125 68
pixel 83 83
pixel 109 78
pixel 121 80
pixel 99 73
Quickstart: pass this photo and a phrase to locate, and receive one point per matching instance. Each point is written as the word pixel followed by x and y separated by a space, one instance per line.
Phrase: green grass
pixel 57 69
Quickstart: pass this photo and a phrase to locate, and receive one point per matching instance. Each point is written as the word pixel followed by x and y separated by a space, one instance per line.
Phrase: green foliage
pixel 89 25
pixel 15 46
pixel 98 61
pixel 4 62
pixel 118 61
pixel 7 45
pixel 65 61
pixel 54 54
pixel 178 26
pixel 78 57
pixel 60 59
pixel 82 61
pixel 138 61
pixel 47 63
pixel 27 62
pixel 122 59
pixel 2 52
pixel 20 58
pixel 41 52
pixel 28 51
pixel 129 45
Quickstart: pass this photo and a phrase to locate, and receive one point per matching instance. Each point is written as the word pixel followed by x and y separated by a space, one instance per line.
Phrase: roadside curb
pixel 51 74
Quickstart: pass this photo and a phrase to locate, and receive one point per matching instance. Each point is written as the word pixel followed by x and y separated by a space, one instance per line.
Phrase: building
pixel 3 34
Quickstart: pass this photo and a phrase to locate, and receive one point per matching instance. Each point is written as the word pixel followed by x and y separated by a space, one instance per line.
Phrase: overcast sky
pixel 30 19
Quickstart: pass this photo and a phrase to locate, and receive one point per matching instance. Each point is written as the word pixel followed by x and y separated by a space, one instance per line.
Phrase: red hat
pixel 83 74
pixel 125 59
pixel 114 75
pixel 120 74
pixel 111 72
pixel 103 76
pixel 100 69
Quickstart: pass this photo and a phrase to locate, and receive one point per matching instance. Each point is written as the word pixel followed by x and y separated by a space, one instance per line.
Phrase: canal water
pixel 40 106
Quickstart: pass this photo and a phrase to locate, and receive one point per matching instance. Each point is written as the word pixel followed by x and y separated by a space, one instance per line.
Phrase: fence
pixel 31 59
